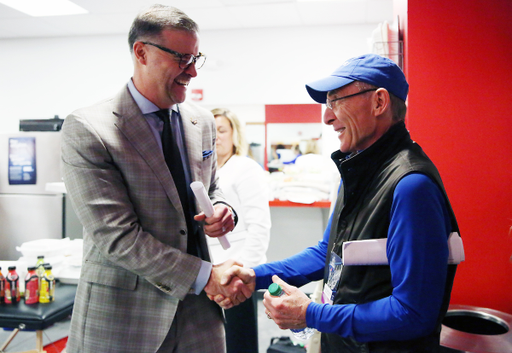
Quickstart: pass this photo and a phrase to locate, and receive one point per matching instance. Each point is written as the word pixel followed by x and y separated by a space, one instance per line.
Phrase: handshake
pixel 230 284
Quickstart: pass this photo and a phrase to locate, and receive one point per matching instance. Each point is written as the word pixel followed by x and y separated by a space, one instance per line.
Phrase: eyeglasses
pixel 185 59
pixel 329 102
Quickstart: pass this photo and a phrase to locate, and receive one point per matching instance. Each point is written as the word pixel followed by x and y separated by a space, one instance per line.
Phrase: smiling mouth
pixel 340 131
pixel 182 83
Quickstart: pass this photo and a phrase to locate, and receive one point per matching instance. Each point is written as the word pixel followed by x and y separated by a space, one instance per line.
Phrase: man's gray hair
pixel 398 106
pixel 150 22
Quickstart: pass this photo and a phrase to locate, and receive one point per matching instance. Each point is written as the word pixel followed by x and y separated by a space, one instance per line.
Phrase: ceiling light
pixel 39 8
pixel 317 0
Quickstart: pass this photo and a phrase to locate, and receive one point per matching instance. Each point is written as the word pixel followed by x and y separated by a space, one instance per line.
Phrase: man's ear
pixel 381 101
pixel 140 52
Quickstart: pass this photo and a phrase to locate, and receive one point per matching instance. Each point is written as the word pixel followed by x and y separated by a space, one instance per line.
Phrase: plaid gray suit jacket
pixel 135 267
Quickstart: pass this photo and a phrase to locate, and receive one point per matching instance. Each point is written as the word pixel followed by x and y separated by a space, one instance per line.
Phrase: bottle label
pixel 12 291
pixel 2 288
pixel 32 289
pixel 47 293
pixel 40 270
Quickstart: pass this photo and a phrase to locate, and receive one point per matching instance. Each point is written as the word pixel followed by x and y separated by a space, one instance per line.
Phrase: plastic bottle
pixel 2 286
pixel 31 286
pixel 47 293
pixel 12 288
pixel 40 269
pixel 304 333
pixel 40 265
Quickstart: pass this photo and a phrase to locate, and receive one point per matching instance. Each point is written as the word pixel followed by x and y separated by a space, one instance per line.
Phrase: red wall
pixel 458 61
pixel 293 113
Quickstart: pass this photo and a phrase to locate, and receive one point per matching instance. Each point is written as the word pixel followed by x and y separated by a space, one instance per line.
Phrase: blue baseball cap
pixel 370 68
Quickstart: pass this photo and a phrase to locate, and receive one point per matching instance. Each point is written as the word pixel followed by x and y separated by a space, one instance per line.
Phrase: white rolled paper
pixel 206 205
pixel 373 251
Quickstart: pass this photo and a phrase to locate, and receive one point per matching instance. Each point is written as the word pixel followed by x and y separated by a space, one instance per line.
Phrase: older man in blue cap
pixel 390 189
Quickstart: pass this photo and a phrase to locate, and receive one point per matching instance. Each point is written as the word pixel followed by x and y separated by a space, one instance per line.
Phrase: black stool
pixel 37 316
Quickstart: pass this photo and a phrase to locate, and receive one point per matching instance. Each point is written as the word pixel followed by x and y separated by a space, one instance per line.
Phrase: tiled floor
pixel 27 340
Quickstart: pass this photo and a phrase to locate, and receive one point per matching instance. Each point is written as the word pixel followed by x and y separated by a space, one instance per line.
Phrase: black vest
pixel 362 212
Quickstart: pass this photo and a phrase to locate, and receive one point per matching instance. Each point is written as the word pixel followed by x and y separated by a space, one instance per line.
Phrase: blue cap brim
pixel 318 89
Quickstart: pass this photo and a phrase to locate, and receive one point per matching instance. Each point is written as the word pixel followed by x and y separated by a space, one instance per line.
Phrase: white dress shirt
pixel 242 182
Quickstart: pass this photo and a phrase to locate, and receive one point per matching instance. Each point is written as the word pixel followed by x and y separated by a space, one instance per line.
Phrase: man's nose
pixel 329 116
pixel 191 70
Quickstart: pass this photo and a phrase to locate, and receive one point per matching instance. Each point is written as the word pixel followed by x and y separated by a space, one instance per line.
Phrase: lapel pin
pixel 194 122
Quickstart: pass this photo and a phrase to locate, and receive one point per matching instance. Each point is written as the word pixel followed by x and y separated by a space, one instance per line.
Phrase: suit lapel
pixel 135 128
pixel 192 131
pixel 193 139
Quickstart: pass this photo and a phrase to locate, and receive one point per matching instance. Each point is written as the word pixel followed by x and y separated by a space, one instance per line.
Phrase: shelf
pixel 56 187
pixel 317 204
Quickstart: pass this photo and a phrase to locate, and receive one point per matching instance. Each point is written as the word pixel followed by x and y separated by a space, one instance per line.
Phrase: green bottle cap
pixel 275 289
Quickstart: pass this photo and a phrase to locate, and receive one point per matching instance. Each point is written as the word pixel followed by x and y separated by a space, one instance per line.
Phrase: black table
pixel 37 316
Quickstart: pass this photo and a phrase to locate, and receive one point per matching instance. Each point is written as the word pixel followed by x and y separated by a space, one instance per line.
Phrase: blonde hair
pixel 239 142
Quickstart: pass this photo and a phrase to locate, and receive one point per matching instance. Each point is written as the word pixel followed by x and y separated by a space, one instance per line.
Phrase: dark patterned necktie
pixel 175 164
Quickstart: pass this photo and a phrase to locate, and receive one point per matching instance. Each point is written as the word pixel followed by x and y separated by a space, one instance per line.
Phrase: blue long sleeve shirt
pixel 417 252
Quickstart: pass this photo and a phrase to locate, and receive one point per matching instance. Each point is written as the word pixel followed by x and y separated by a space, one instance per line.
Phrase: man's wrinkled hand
pixel 247 275
pixel 288 311
pixel 228 293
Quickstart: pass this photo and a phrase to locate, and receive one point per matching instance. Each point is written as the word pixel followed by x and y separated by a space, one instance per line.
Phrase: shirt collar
pixel 144 104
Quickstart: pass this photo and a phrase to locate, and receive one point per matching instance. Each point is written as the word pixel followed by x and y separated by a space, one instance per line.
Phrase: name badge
pixel 335 269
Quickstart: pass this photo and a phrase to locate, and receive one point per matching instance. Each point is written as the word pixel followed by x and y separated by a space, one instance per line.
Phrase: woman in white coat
pixel 242 181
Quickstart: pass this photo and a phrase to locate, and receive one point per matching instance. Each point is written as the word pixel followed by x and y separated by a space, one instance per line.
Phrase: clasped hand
pixel 225 289
pixel 230 284
pixel 238 283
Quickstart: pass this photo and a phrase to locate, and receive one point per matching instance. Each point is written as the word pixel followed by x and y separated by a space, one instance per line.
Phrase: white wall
pixel 245 69
pixel 44 77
